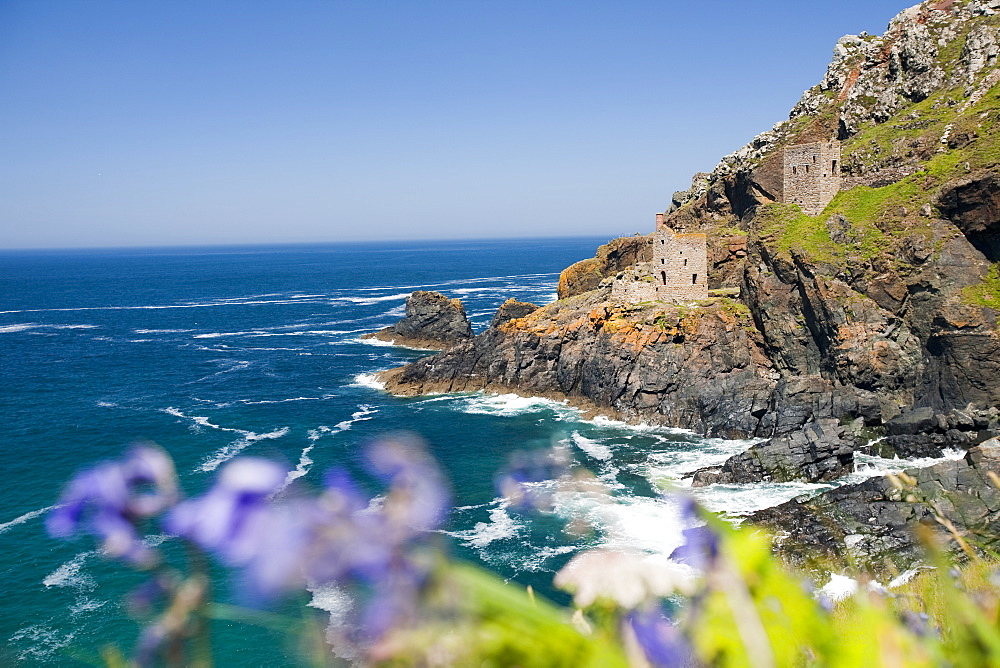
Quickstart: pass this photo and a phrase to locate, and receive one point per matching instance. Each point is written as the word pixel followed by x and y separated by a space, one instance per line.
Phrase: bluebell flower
pixel 662 643
pixel 700 548
pixel 231 519
pixel 110 498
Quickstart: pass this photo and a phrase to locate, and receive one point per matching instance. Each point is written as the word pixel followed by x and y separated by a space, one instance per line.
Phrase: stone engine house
pixel 811 175
pixel 678 272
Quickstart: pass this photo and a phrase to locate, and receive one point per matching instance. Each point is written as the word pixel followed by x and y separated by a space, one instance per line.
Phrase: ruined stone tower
pixel 680 264
pixel 812 175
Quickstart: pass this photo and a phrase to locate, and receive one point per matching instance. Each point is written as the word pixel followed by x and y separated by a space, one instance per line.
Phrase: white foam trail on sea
pixel 7 526
pixel 591 447
pixel 499 527
pixel 368 301
pixel 305 461
pixel 226 453
pixel 25 326
pixel 70 574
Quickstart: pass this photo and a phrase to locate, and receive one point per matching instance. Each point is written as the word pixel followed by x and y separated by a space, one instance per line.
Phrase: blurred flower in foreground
pixel 528 480
pixel 662 643
pixel 110 498
pixel 627 579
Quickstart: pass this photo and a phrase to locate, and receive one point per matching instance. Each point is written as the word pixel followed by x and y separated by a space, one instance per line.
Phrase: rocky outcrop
pixel 874 522
pixel 611 258
pixel 432 321
pixel 821 451
pixel 512 309
pixel 973 205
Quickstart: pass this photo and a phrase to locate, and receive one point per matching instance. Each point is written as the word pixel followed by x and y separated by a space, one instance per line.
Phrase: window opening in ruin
pixel 663 260
pixel 807 169
pixel 834 166
pixel 685 262
pixel 694 279
pixel 793 169
pixel 663 277
pixel 663 241
pixel 814 159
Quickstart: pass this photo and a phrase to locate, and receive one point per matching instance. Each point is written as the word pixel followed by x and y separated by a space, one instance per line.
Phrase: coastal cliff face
pixel 886 302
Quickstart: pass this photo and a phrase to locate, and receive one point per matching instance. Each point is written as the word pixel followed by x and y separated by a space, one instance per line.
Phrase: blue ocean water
pixel 217 352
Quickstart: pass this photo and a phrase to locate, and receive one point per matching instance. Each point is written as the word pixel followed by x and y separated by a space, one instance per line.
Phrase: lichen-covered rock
pixel 512 309
pixel 432 321
pixel 611 258
pixel 822 450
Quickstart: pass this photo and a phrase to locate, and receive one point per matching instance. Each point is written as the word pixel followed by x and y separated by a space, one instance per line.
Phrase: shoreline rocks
pixel 875 521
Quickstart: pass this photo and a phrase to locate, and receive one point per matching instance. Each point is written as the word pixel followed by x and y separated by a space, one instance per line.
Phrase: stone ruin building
pixel 678 272
pixel 811 176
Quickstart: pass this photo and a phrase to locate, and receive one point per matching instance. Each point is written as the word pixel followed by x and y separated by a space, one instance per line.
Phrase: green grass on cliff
pixel 987 293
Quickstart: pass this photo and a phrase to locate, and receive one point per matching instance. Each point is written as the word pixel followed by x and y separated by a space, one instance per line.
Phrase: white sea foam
pixel 872 466
pixel 44 641
pixel 229 451
pixel 248 402
pixel 509 405
pixel 70 574
pixel 740 500
pixel 368 380
pixel 591 447
pixel 305 461
pixel 10 329
pixel 500 526
pixel 84 605
pixel 368 301
pixel 25 326
pixel 162 331
pixel 386 344
pixel 7 526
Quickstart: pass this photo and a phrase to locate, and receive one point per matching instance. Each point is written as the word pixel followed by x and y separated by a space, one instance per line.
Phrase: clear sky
pixel 175 122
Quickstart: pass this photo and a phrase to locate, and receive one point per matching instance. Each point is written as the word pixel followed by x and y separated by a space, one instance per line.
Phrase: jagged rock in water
pixel 822 450
pixel 874 521
pixel 512 309
pixel 432 321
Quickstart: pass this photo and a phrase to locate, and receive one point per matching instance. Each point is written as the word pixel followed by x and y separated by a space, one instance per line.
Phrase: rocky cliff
pixel 880 313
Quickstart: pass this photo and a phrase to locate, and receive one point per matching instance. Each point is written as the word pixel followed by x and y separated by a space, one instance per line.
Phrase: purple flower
pixel 662 642
pixel 110 498
pixel 700 548
pixel 417 499
pixel 232 518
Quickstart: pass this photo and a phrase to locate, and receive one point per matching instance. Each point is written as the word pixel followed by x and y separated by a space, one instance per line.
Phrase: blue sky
pixel 225 122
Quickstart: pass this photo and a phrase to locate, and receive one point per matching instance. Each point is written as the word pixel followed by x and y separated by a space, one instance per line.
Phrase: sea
pixel 218 352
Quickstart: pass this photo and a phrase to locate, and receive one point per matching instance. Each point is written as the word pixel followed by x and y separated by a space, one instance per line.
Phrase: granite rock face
pixel 432 321
pixel 821 451
pixel 875 521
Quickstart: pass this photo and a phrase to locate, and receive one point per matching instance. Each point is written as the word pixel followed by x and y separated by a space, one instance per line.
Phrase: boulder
pixel 822 450
pixel 432 321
